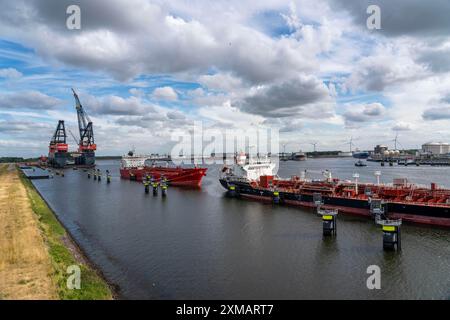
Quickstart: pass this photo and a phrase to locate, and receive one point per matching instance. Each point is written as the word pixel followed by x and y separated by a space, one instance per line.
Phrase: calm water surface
pixel 199 244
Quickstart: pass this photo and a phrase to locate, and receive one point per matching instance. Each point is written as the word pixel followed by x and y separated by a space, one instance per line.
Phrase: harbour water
pixel 199 244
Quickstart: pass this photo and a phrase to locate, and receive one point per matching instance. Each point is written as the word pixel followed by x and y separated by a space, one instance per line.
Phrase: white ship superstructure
pixel 249 168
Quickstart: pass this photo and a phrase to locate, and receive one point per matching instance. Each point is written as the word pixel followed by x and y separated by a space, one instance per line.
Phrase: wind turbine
pixel 396 142
pixel 350 144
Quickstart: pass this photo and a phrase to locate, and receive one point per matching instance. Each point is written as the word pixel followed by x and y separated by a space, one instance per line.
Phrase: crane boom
pixel 73 136
pixel 85 127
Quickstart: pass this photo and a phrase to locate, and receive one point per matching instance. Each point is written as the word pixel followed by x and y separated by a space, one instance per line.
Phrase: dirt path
pixel 25 267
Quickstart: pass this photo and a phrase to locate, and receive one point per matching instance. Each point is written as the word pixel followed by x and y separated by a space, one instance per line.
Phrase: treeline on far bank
pixel 323 154
pixel 16 159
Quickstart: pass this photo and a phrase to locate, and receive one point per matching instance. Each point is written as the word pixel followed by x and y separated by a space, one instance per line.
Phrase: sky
pixel 312 69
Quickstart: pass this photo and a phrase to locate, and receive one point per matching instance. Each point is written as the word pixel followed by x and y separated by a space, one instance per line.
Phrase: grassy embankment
pixel 36 250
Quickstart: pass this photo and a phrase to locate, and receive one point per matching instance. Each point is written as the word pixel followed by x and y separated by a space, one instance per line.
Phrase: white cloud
pixel 304 96
pixel 165 93
pixel 28 100
pixel 363 113
pixel 10 73
pixel 221 81
pixel 389 65
pixel 153 40
pixel 246 71
pixel 229 115
pixel 115 105
pixel 402 126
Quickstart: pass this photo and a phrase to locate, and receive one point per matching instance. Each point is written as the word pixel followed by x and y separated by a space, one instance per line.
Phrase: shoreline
pixel 98 286
pixel 78 252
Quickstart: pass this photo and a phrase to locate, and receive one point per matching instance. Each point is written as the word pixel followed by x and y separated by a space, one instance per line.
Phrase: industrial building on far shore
pixel 436 148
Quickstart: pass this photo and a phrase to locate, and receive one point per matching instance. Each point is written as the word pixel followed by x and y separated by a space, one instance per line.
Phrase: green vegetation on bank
pixel 57 240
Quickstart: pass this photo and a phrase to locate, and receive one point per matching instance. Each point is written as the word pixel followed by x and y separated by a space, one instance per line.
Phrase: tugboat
pixel 399 200
pixel 359 163
pixel 135 167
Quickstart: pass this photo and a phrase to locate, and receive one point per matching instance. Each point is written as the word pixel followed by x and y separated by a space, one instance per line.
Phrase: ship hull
pixel 175 176
pixel 415 213
pixel 58 159
pixel 361 155
pixel 86 159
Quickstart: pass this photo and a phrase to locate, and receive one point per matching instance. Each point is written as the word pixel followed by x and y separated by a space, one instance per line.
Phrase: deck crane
pixel 86 145
pixel 73 136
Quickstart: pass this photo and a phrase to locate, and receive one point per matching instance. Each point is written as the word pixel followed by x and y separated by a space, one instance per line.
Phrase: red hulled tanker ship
pixel 138 167
pixel 400 200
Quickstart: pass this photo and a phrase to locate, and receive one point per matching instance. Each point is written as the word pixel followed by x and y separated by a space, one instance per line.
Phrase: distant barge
pixel 255 180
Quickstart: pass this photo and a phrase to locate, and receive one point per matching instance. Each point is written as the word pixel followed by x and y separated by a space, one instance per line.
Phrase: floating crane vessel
pixel 58 148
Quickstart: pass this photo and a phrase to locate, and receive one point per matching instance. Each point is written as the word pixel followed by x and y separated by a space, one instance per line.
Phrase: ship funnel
pixel 356 176
pixel 377 175
pixel 240 159
pixel 327 174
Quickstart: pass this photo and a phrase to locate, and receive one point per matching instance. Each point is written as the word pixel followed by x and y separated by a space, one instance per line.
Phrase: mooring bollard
pixel 164 190
pixel 329 221
pixel 276 197
pixel 164 185
pixel 377 209
pixel 155 185
pixel 231 190
pixel 391 234
pixel 318 202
